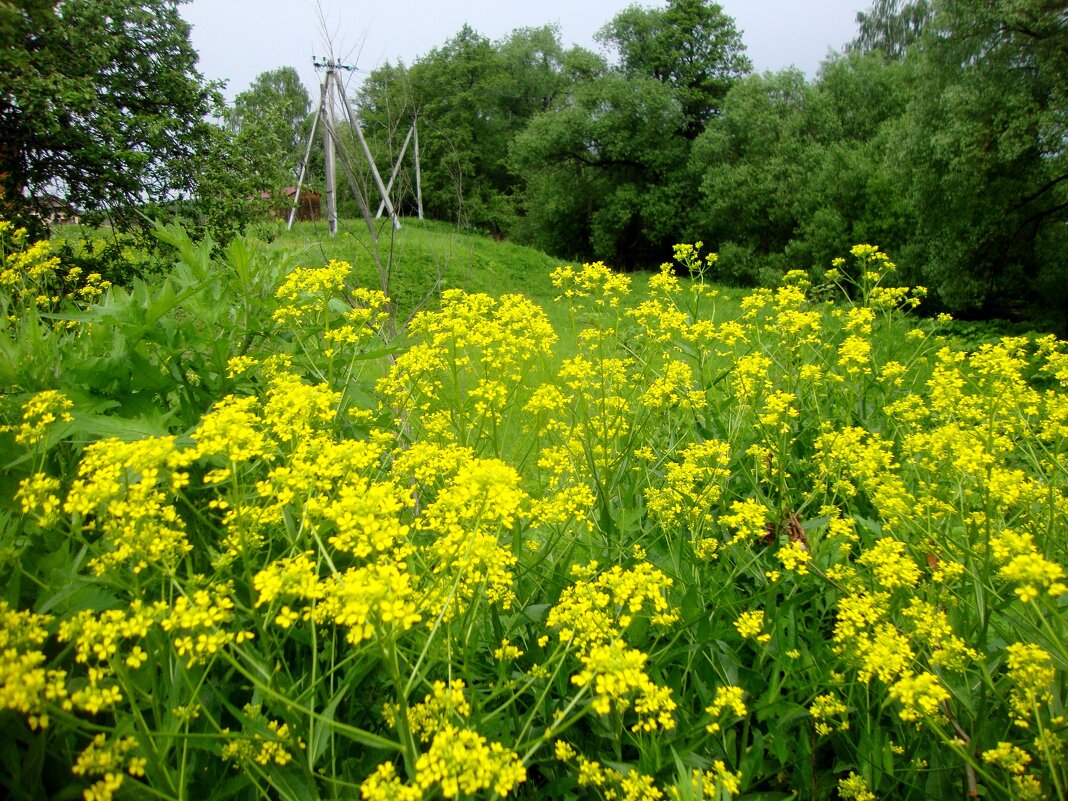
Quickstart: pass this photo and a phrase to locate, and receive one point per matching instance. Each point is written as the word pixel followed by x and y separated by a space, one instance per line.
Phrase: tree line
pixel 939 133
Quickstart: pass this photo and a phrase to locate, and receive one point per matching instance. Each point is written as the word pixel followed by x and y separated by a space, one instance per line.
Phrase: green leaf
pixel 317 745
pixel 77 596
pixel 94 427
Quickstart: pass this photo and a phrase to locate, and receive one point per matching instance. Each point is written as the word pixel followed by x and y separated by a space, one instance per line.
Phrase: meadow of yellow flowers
pixel 667 550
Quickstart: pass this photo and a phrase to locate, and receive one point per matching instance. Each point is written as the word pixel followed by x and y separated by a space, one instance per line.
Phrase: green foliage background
pixel 938 133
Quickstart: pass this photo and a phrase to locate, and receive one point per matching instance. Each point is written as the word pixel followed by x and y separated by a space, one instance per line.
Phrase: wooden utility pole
pixel 328 149
pixel 413 135
pixel 355 123
pixel 418 184
pixel 396 170
pixel 331 85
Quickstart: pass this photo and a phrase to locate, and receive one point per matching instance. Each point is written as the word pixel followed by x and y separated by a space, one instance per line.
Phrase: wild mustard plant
pixel 33 280
pixel 790 549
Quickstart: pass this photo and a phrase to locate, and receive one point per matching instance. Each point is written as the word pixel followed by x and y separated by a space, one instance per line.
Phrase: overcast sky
pixel 239 39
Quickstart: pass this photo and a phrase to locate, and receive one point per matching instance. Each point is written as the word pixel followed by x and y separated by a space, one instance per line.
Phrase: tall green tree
pixel 604 173
pixel 275 105
pixel 794 172
pixel 985 157
pixel 533 72
pixel 891 27
pixel 100 103
pixel 471 97
pixel 450 91
pixel 691 46
pixel 755 159
pixel 853 195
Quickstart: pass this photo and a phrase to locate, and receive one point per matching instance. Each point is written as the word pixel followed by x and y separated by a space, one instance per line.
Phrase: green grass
pixel 427 257
pixel 424 258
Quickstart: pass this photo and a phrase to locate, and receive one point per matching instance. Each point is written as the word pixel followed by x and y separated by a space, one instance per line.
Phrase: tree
pixel 755 159
pixel 691 46
pixel 990 181
pixel 460 133
pixel 891 27
pixel 101 103
pixel 605 172
pixel 798 169
pixel 471 97
pixel 532 74
pixel 853 195
pixel 276 104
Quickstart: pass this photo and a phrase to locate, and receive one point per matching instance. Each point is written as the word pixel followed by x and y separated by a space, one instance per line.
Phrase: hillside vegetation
pixel 938 133
pixel 260 540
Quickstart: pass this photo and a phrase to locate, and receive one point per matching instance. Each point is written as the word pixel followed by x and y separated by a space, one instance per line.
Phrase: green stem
pixel 389 653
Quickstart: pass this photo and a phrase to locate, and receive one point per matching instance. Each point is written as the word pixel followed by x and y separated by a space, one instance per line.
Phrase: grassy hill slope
pixel 426 257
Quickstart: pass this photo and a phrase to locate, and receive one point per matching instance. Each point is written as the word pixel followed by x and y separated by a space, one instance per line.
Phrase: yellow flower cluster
pixel 459 762
pixel 593 616
pixel 726 698
pixel 465 555
pixel 368 600
pixel 373 599
pixel 1023 564
pixel 1008 757
pixel 914 492
pixel 616 674
pixel 1031 677
pixel 109 760
pixel 828 714
pixel 262 742
pixel 692 487
pixel 709 785
pixel 866 636
pixel 795 557
pixel 362 323
pixel 25 684
pixel 40 413
pixel 595 280
pixel 597 612
pixel 467 362
pixel 38 495
pixel 854 788
pixel 33 280
pixel 748 520
pixel 125 490
pixel 197 623
pixel 444 705
pixel 306 291
pixel 750 625
pixel 920 696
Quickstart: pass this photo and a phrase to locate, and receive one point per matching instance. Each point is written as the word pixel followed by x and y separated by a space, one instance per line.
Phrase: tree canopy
pixel 600 171
pixel 938 134
pixel 990 181
pixel 472 97
pixel 277 101
pixel 691 45
pixel 555 145
pixel 101 103
pixel 891 27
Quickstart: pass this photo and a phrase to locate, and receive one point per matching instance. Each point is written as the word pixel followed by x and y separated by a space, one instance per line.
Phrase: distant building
pixel 55 211
pixel 308 209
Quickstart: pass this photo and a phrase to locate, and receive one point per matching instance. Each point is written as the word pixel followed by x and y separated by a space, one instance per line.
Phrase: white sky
pixel 239 39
